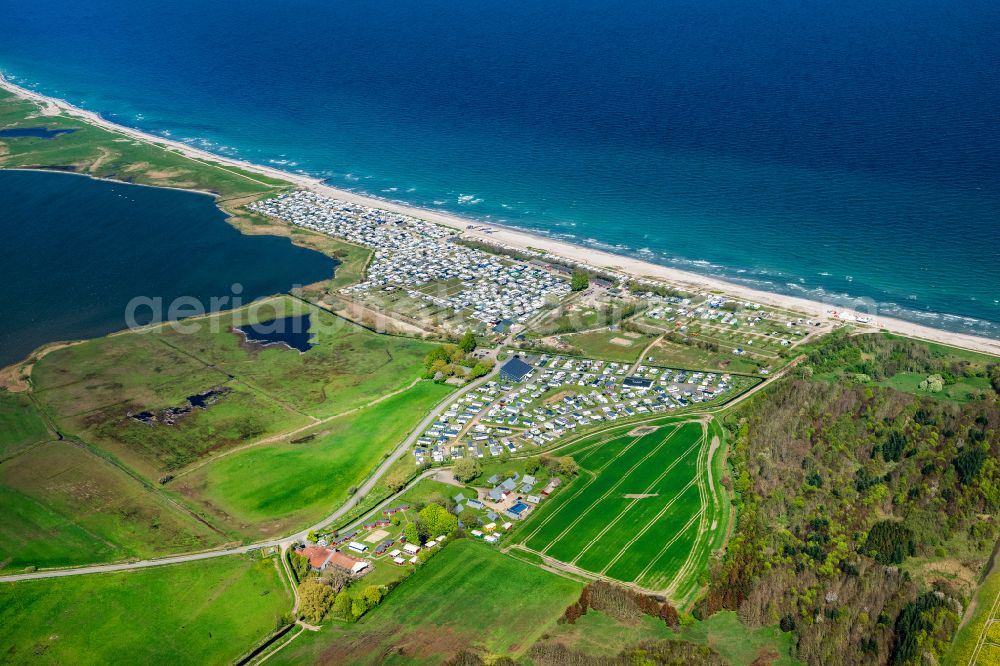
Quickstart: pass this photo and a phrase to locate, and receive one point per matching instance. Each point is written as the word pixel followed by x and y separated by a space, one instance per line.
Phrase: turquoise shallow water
pixel 838 151
pixel 77 251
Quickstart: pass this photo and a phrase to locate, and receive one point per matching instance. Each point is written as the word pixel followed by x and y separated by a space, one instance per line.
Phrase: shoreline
pixel 524 240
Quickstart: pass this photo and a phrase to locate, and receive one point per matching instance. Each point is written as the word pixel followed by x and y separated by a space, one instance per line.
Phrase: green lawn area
pixel 468 595
pixel 270 488
pixel 429 490
pixel 64 506
pixel 965 389
pixel 206 612
pixel 598 634
pixel 598 344
pixel 91 387
pixel 676 355
pixel 20 424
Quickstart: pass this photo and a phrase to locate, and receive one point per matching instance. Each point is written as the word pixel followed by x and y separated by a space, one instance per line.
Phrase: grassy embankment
pixel 597 634
pixel 977 643
pixel 207 612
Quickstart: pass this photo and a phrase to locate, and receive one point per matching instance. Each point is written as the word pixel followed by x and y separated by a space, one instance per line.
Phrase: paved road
pixel 365 488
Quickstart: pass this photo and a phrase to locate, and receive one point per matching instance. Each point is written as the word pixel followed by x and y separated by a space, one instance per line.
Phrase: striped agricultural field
pixel 641 511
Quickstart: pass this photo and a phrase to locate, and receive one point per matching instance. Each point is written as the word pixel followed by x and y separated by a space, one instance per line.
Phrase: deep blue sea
pixel 77 251
pixel 826 149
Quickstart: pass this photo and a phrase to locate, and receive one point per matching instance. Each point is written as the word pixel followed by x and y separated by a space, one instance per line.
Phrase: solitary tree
pixel 580 281
pixel 568 466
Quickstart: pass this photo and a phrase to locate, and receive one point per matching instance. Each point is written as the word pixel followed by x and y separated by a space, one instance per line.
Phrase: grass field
pixel 642 510
pixel 62 505
pixel 89 388
pixel 676 355
pixel 207 612
pixel 966 389
pixel 269 488
pixel 20 424
pixel 468 595
pixel 598 344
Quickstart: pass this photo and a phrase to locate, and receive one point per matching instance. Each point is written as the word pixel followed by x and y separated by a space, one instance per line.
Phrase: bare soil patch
pixel 642 430
pixel 559 396
pixel 376 536
pixel 621 342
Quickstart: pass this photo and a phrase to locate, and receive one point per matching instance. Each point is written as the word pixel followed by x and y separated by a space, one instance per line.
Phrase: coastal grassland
pixel 906 365
pixel 598 635
pixel 268 489
pixel 90 388
pixel 642 510
pixel 64 506
pixel 104 153
pixel 609 345
pixel 348 367
pixel 961 389
pixel 197 613
pixel 980 624
pixel 468 595
pixel 21 425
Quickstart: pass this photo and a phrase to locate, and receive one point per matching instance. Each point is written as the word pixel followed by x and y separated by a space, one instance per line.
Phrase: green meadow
pixel 207 612
pixel 21 425
pixel 467 596
pixel 63 506
pixel 273 487
pixel 91 387
pixel 598 344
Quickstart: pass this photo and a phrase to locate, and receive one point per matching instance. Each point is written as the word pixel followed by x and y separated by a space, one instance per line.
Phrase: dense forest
pixel 866 515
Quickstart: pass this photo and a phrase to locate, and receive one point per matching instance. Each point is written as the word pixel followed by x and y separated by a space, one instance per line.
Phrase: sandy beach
pixel 523 240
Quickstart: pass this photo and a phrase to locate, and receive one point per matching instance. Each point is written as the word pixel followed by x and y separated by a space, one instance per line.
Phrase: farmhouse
pixel 321 558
